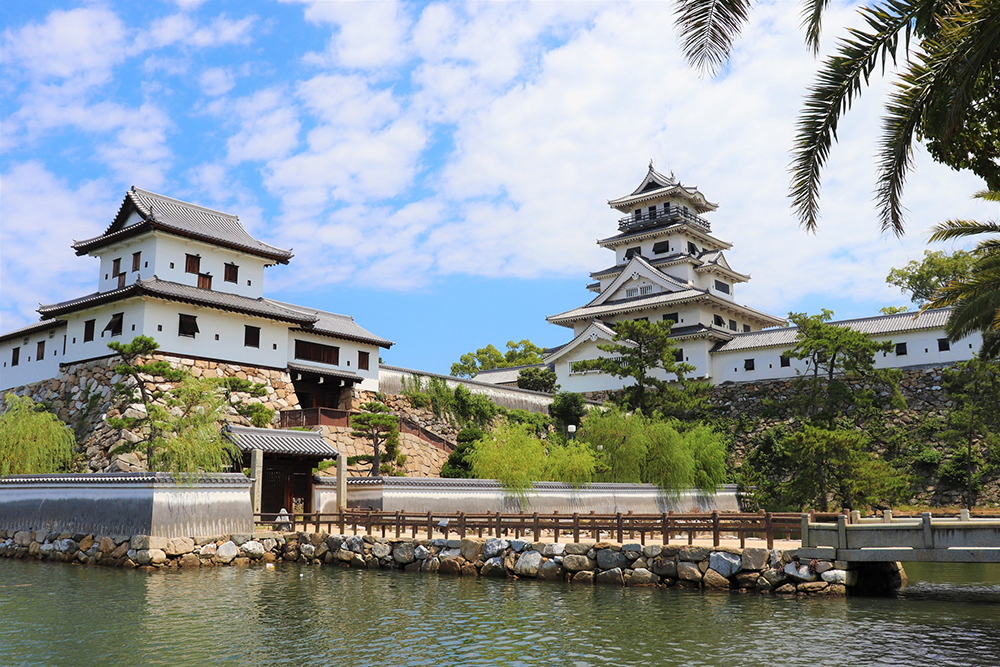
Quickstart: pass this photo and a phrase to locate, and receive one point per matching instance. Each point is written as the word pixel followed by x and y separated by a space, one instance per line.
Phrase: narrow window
pixel 722 287
pixel 900 349
pixel 251 336
pixel 188 326
pixel 136 260
pixel 718 321
pixel 64 345
pixel 692 248
pixel 943 345
pixel 652 213
pixel 192 264
pixel 121 280
pixel 631 292
pixel 633 251
pixel 732 325
pixel 324 354
pixel 786 361
pixel 748 364
pixel 645 289
pixel 116 267
pixel 15 356
pixel 88 330
pixel 661 247
pixel 232 273
pixel 746 328
pixel 363 361
pixel 672 317
pixel 678 355
pixel 204 281
pixel 637 215
pixel 114 325
pixel 40 350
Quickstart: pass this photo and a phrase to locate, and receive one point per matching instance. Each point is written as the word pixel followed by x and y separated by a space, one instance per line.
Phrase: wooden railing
pixel 667 526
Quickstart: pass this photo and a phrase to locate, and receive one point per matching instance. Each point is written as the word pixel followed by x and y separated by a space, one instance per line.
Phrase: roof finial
pixel 651 164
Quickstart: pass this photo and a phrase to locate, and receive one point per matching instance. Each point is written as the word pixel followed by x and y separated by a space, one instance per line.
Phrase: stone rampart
pixel 584 563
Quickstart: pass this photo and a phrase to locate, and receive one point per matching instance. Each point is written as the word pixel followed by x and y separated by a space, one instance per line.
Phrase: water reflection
pixel 63 615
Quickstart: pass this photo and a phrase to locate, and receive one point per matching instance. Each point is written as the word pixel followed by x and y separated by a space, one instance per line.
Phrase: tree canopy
pixel 380 427
pixel 921 279
pixel 537 379
pixel 522 353
pixel 638 350
pixel 32 439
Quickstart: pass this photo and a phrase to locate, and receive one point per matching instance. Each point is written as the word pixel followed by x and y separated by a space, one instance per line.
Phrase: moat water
pixel 56 614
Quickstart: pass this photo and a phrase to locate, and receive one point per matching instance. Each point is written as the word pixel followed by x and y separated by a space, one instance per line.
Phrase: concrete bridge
pixel 886 539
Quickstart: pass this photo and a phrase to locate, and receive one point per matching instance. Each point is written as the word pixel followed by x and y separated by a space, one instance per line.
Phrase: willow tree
pixel 32 439
pixel 178 429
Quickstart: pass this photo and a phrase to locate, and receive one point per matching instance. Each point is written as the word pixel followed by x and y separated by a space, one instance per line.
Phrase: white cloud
pixel 368 34
pixel 183 29
pixel 269 127
pixel 216 81
pixel 41 267
pixel 87 41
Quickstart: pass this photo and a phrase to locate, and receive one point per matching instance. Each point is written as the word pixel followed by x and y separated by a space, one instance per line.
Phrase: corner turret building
pixel 192 278
pixel 670 266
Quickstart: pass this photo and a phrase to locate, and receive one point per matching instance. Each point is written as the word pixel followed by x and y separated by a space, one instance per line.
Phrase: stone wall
pixel 585 563
pixel 82 397
pixel 423 459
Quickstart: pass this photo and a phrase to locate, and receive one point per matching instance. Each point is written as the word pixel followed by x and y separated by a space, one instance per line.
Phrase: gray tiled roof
pixel 328 372
pixel 275 441
pixel 32 328
pixel 880 325
pixel 235 478
pixel 612 307
pixel 172 291
pixel 175 216
pixel 332 324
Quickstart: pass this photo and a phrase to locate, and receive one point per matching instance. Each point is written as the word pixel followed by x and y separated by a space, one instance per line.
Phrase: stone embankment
pixel 585 563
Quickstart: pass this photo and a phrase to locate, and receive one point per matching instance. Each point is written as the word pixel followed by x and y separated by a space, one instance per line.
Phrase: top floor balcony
pixel 643 218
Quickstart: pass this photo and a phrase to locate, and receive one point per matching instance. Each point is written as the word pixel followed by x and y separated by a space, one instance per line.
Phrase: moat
pixel 58 614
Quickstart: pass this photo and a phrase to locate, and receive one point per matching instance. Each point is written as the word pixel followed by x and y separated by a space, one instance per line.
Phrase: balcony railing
pixel 671 214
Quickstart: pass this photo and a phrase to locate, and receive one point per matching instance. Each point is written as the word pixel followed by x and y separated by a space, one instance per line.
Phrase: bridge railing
pixel 888 532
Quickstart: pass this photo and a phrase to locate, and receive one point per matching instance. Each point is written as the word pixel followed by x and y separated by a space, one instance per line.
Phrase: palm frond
pixel 708 29
pixel 839 81
pixel 988 195
pixel 969 39
pixel 955 229
pixel 812 21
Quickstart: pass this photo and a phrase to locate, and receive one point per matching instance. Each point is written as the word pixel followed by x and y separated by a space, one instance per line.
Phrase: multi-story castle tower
pixel 668 266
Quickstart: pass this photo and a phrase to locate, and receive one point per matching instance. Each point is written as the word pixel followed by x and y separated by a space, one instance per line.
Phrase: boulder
pixel 724 563
pixel 643 577
pixel 209 550
pixel 821 566
pixel 403 553
pixel 177 546
pixel 472 550
pixel 227 552
pixel 652 550
pixel 334 542
pixel 578 548
pixel 799 573
pixel 746 579
pixel 355 543
pixel 527 565
pixel 578 563
pixel 382 550
pixel 253 549
pixel 493 567
pixel 609 560
pixel 785 589
pixel 107 545
pixel 554 549
pixel 664 567
pixel 812 586
pixel 583 577
pixel 754 559
pixel 142 557
pixel 693 554
pixel 688 571
pixel 518 545
pixel 550 570
pixel 430 565
pixel 714 579
pixel 189 560
pixel 452 566
pixel 494 547
pixel 307 551
pixel 420 552
pixel 157 556
pixel 844 577
pixel 448 554
pixel 612 576
pixel 22 538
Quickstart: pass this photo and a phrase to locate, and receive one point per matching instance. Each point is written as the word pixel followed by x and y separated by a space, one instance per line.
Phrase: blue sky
pixel 441 170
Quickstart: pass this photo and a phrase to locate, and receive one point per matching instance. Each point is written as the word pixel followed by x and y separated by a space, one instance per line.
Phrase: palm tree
pixel 944 94
pixel 975 297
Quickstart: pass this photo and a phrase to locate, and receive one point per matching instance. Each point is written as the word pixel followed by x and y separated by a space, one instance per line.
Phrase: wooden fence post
pixel 461 525
pixel 399 524
pixel 769 529
pixel 594 532
pixel 618 526
pixel 498 524
pixel 576 527
pixel 665 527
pixel 430 526
pixel 536 527
pixel 715 527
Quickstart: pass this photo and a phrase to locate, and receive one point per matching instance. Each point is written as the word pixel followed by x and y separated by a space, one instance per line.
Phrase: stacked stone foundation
pixel 753 570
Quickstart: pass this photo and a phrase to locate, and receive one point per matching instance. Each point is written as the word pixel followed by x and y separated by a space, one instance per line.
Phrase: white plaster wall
pixel 162 320
pixel 144 244
pixel 132 326
pixel 922 349
pixel 29 369
pixel 348 356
